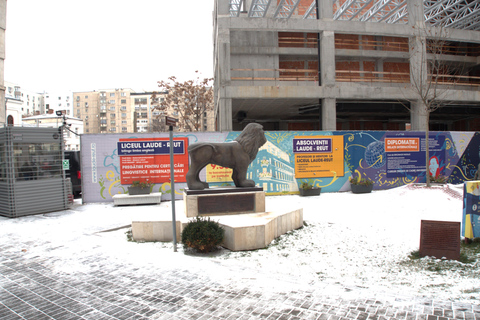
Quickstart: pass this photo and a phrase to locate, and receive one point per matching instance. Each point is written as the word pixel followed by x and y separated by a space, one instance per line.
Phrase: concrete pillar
pixel 327 58
pixel 329 114
pixel 325 9
pixel 418 65
pixel 327 79
pixel 222 7
pixel 222 74
pixel 224 117
pixel 416 13
pixel 418 116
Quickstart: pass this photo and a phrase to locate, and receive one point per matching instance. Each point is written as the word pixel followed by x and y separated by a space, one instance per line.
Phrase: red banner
pixel 154 167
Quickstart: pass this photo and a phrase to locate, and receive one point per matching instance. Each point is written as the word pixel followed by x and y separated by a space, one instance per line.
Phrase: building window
pixel 124 121
pixel 124 129
pixel 112 94
pixel 123 94
pixel 86 97
pixel 140 100
pixel 112 123
pixel 111 101
pixel 112 115
pixel 124 101
pixel 124 115
pixel 123 108
pixel 112 108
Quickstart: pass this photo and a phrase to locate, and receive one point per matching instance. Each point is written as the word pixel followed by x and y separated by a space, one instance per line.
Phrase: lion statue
pixel 237 154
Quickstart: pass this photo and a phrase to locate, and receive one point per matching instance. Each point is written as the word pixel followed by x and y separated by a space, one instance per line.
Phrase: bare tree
pixel 432 75
pixel 188 101
pixel 157 125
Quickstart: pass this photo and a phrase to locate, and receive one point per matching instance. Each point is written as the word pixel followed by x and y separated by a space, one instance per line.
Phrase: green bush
pixel 202 234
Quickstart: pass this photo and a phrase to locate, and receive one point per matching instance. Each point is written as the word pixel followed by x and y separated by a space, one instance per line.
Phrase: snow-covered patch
pixel 349 241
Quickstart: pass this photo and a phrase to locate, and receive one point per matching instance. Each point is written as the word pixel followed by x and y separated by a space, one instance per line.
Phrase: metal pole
pixel 319 56
pixel 172 190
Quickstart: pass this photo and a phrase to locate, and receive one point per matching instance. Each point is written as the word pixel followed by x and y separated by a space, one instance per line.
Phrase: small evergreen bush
pixel 202 234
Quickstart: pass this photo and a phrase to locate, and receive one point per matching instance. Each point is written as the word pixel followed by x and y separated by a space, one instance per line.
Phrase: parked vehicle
pixel 74 171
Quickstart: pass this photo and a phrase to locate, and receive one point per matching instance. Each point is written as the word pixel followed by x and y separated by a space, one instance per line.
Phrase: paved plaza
pixel 78 273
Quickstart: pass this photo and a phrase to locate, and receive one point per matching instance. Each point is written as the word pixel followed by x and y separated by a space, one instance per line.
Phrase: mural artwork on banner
pixel 318 156
pixel 149 159
pixel 406 155
pixel 389 158
pixel 471 209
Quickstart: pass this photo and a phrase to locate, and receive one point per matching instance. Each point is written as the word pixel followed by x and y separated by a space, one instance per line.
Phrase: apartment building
pixel 148 118
pixel 31 102
pixel 144 115
pixel 58 101
pixel 105 111
pixel 345 65
pixel 123 110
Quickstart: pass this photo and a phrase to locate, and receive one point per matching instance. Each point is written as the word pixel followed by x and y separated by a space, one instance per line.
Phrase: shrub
pixel 142 184
pixel 202 234
pixel 438 178
pixel 307 185
pixel 362 181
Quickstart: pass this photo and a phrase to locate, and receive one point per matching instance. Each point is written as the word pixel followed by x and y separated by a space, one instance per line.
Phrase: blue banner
pixel 405 154
pixel 152 147
pixel 312 145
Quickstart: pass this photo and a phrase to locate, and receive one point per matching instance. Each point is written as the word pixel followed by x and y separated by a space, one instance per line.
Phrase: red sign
pixel 153 167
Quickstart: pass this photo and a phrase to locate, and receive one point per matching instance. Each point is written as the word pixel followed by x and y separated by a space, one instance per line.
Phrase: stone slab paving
pixel 102 287
pixel 29 289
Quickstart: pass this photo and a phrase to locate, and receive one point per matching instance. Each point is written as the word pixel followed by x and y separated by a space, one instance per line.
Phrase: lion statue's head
pixel 251 139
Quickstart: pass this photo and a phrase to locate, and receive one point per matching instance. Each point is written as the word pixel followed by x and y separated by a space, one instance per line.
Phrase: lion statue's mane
pixel 237 155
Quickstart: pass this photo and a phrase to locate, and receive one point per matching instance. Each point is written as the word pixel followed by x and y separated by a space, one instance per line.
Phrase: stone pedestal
pixel 240 211
pixel 223 201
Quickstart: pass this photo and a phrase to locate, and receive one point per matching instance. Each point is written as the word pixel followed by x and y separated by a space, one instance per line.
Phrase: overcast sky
pixel 59 45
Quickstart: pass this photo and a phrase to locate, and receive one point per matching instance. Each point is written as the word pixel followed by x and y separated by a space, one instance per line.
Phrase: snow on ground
pixel 357 241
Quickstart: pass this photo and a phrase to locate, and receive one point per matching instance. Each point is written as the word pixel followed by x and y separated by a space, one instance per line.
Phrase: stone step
pixel 242 232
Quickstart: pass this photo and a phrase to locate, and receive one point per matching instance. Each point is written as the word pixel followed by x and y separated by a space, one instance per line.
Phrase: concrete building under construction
pixel 347 64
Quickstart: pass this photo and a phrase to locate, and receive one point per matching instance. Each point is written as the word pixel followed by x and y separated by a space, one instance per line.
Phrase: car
pixel 74 171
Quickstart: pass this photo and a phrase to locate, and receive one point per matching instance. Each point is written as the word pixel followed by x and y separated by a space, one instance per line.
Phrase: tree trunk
pixel 427 149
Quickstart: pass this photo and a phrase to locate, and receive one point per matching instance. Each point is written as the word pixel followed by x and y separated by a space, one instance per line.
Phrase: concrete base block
pixel 126 199
pixel 242 232
pixel 256 231
pixel 151 231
